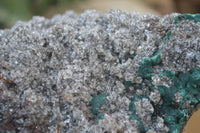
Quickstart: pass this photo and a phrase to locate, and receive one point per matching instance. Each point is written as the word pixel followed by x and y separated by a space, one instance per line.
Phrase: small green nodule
pixel 98 101
pixel 128 84
pixel 100 116
pixel 145 70
pixel 66 115
pixel 156 59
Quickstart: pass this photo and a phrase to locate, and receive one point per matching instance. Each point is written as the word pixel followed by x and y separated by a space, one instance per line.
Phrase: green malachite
pixel 145 70
pixel 99 117
pixel 190 17
pixel 133 115
pixel 98 101
pixel 175 115
pixel 188 84
pixel 128 84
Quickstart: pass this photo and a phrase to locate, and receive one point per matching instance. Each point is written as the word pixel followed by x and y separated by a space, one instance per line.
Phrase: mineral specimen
pixel 115 72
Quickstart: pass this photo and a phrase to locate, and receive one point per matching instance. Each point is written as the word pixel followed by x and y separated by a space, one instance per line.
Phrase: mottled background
pixel 13 10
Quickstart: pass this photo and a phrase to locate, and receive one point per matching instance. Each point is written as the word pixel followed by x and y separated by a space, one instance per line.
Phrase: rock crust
pixel 51 69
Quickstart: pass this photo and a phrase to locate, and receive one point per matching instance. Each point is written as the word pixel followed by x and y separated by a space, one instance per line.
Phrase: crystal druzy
pixel 114 72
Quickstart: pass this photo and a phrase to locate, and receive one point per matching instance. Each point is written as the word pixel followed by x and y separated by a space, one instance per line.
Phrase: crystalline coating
pixel 94 72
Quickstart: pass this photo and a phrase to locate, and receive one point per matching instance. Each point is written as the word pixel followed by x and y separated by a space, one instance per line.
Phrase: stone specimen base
pixel 115 72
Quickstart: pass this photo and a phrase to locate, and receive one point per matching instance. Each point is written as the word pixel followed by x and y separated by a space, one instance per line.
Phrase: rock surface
pixel 94 72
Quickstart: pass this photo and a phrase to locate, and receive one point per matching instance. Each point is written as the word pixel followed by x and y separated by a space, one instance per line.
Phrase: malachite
pixel 133 115
pixel 173 112
pixel 188 85
pixel 168 74
pixel 145 69
pixel 128 84
pixel 99 117
pixel 98 101
pixel 190 17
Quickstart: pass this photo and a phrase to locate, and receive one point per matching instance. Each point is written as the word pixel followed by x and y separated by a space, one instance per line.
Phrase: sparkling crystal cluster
pixel 91 73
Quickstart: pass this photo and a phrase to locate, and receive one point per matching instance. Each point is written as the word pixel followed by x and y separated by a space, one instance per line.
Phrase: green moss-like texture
pixel 174 112
pixel 187 84
pixel 98 101
pixel 168 74
pixel 145 70
pixel 190 17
